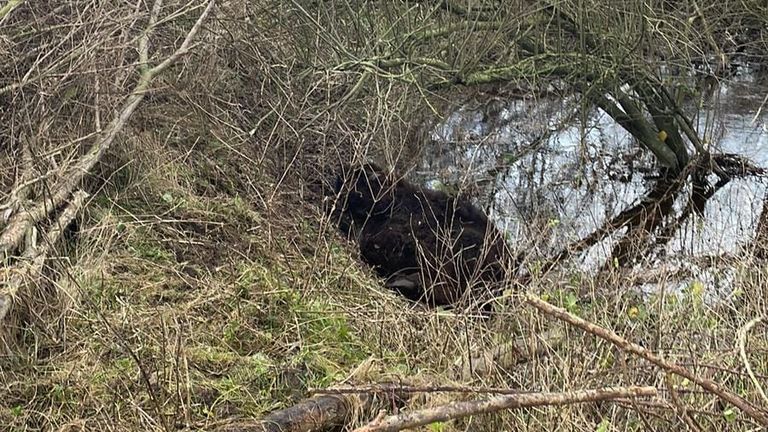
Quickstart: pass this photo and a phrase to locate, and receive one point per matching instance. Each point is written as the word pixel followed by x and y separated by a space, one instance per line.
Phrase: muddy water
pixel 550 172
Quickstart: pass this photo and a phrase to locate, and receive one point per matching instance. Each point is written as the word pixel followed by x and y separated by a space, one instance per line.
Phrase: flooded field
pixel 548 170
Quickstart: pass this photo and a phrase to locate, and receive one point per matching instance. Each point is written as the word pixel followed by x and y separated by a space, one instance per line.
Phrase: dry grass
pixel 204 283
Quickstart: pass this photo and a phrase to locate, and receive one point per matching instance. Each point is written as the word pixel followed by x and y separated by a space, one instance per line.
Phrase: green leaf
pixel 509 158
pixel 729 415
pixel 571 302
pixel 437 427
pixel 603 426
pixel 17 411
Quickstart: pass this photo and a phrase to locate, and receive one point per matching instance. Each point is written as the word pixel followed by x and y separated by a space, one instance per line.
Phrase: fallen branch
pixel 407 389
pixel 331 410
pixel 22 223
pixel 603 333
pixel 464 409
pixel 34 256
pixel 316 413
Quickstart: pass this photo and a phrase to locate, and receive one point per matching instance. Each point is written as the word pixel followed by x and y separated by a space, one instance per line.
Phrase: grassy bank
pixel 202 282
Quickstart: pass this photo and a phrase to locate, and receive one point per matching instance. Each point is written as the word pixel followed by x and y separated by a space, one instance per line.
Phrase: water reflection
pixel 549 174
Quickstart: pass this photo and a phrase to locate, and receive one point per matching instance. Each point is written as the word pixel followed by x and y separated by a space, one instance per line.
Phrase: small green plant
pixel 231 331
pixel 696 290
pixel 58 393
pixel 510 158
pixel 168 198
pixel 729 415
pixel 535 267
pixel 437 427
pixel 124 364
pixel 17 411
pixel 571 303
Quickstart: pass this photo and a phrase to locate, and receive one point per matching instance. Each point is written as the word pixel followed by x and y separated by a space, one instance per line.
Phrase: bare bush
pixel 206 287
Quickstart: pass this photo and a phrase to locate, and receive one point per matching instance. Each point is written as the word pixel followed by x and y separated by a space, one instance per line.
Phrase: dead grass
pixel 204 284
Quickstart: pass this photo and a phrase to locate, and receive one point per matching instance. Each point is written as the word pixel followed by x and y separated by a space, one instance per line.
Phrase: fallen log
pixel 326 412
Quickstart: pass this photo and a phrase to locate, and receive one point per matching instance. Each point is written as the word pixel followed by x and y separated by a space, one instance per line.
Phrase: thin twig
pixel 743 351
pixel 633 348
pixel 399 388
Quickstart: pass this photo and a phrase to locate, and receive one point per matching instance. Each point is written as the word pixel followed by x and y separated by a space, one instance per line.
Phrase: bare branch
pixel 743 352
pixel 35 256
pixel 144 39
pixel 23 223
pixel 19 223
pixel 464 409
pixel 187 44
pixel 635 349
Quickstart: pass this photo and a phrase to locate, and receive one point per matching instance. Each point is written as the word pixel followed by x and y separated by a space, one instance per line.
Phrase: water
pixel 549 175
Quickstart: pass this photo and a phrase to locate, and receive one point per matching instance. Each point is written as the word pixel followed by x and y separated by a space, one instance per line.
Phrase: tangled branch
pixel 22 222
pixel 603 333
